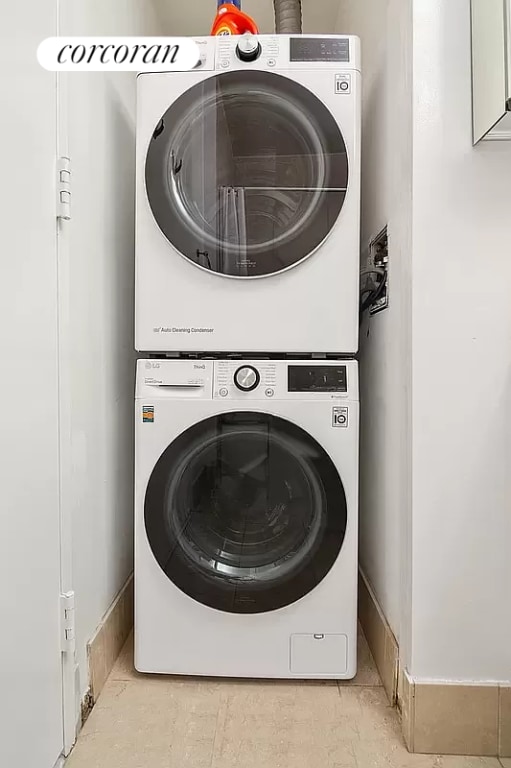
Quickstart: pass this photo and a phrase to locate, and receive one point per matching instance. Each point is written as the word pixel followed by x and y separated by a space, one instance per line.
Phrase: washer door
pixel 246 173
pixel 245 512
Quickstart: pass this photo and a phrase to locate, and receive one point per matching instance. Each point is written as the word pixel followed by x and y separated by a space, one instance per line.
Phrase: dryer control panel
pixel 287 52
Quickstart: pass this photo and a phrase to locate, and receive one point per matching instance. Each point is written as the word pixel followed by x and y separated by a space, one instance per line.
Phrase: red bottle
pixel 230 20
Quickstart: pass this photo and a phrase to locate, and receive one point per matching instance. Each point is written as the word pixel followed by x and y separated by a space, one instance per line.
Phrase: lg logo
pixel 340 417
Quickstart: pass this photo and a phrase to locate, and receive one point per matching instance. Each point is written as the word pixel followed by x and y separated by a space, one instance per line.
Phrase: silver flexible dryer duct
pixel 288 17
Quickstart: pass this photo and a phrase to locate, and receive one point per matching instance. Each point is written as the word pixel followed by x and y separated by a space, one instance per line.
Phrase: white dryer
pixel 248 199
pixel 246 518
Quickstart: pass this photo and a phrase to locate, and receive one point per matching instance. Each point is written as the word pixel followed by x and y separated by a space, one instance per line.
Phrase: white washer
pixel 248 199
pixel 246 518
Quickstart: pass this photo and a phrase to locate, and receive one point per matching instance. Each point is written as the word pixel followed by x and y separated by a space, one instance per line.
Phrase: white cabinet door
pixel 491 69
pixel 30 657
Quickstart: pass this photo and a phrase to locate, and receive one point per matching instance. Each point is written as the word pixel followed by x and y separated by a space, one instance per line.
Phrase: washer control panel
pixel 238 379
pixel 266 379
pixel 317 378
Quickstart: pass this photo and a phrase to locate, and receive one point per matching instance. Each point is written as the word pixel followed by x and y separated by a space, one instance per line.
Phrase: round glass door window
pixel 246 173
pixel 245 512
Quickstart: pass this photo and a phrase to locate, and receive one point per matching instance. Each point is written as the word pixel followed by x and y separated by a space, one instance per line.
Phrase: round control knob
pixel 248 48
pixel 247 378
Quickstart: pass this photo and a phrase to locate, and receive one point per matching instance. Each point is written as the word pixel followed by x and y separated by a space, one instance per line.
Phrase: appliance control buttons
pixel 248 48
pixel 223 392
pixel 271 62
pixel 247 378
pixel 269 392
pixel 224 63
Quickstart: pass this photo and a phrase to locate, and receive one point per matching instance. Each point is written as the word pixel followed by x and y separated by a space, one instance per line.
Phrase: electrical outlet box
pixel 379 258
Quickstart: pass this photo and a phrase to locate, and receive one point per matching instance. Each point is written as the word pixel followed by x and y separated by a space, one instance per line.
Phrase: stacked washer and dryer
pixel 247 294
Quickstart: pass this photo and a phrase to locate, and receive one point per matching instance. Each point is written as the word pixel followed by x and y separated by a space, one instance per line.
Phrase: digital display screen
pixel 319 49
pixel 316 378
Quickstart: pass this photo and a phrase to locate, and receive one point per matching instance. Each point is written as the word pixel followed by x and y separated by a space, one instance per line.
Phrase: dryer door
pixel 246 173
pixel 245 512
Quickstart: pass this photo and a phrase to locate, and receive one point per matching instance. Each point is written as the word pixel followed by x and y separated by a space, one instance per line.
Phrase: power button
pixel 269 392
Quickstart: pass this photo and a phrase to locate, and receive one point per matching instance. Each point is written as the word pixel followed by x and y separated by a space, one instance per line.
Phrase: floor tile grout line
pixel 220 721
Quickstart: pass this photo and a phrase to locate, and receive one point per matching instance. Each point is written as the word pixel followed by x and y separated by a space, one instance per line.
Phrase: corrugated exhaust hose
pixel 288 17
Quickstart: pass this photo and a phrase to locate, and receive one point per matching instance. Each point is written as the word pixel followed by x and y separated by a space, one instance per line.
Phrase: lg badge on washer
pixel 340 417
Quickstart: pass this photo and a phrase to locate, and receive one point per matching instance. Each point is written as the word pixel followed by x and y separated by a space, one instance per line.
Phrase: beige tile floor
pixel 145 721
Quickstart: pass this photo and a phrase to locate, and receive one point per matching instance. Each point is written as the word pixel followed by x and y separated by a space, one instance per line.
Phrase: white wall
pixel 385 31
pixel 318 15
pixel 461 619
pixel 436 416
pixel 97 324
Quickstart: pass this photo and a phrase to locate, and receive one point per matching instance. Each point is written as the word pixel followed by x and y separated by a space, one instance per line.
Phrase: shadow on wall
pixel 120 294
pixel 102 366
pixel 374 202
